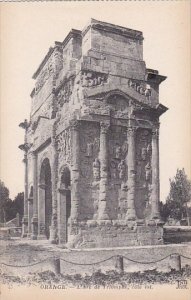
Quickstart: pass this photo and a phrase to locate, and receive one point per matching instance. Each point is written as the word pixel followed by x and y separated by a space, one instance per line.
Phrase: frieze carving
pixel 64 146
pixel 46 72
pixel 140 88
pixel 65 93
pixel 90 79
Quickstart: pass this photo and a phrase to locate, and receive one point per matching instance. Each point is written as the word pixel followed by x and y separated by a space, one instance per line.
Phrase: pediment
pixel 124 102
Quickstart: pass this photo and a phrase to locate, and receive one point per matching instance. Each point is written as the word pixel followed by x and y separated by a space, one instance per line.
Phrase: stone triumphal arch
pixel 92 142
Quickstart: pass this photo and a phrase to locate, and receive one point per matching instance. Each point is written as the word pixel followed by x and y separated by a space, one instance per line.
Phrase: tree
pixel 179 198
pixel 18 204
pixel 9 208
pixel 4 198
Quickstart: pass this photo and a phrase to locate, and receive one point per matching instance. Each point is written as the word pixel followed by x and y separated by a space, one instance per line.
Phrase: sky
pixel 29 29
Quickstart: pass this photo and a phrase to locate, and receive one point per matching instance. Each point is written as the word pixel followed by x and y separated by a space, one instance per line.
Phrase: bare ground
pixel 26 262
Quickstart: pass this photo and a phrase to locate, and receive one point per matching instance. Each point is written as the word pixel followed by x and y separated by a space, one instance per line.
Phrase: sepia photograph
pixel 95 164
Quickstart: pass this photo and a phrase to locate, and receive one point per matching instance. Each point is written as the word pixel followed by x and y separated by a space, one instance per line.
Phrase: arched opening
pixel 64 205
pixel 45 200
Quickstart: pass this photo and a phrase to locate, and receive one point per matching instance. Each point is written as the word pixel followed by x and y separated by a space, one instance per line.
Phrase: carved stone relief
pixel 45 73
pixel 90 79
pixel 119 106
pixel 65 92
pixel 143 171
pixel 58 60
pixel 64 146
pixel 141 88
pixel 96 169
pixel 143 156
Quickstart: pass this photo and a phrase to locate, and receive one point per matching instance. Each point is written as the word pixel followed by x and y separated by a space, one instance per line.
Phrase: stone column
pixel 30 212
pixel 62 222
pixel 155 214
pixel 103 158
pixel 53 227
pixel 35 199
pixel 131 165
pixel 25 217
pixel 75 170
pixel 41 212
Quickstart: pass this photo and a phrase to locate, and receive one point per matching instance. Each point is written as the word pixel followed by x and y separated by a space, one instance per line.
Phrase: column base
pixel 103 217
pixel 102 211
pixel 140 222
pixel 155 222
pixel 53 235
pixel 24 226
pixel 34 228
pixel 155 216
pixel 24 235
pixel 131 216
pixel 41 237
pixel 29 236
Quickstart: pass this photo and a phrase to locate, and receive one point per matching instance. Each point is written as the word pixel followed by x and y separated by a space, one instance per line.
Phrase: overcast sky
pixel 27 32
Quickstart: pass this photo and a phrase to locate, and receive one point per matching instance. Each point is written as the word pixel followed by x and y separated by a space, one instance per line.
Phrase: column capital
pixel 155 132
pixel 104 127
pixel 25 158
pixel 131 130
pixel 34 154
pixel 25 147
pixel 75 124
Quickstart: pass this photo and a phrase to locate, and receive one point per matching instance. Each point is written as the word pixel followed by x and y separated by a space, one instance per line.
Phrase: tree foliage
pixel 179 197
pixel 9 208
pixel 4 198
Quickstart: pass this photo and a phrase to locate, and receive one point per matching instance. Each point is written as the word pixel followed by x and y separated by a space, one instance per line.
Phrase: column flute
pixel 103 157
pixel 131 165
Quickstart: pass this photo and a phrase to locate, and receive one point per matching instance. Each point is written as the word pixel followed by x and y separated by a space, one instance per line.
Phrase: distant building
pixel 92 142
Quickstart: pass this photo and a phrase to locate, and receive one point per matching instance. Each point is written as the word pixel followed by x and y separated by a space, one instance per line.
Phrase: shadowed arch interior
pixel 64 205
pixel 45 199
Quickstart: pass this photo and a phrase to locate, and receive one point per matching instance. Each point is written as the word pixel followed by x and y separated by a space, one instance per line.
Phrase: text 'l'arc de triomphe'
pixel 91 149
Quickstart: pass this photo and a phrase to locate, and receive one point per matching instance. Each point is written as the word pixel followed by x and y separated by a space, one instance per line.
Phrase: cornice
pixel 153 76
pixel 127 32
pixel 50 51
pixel 70 35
